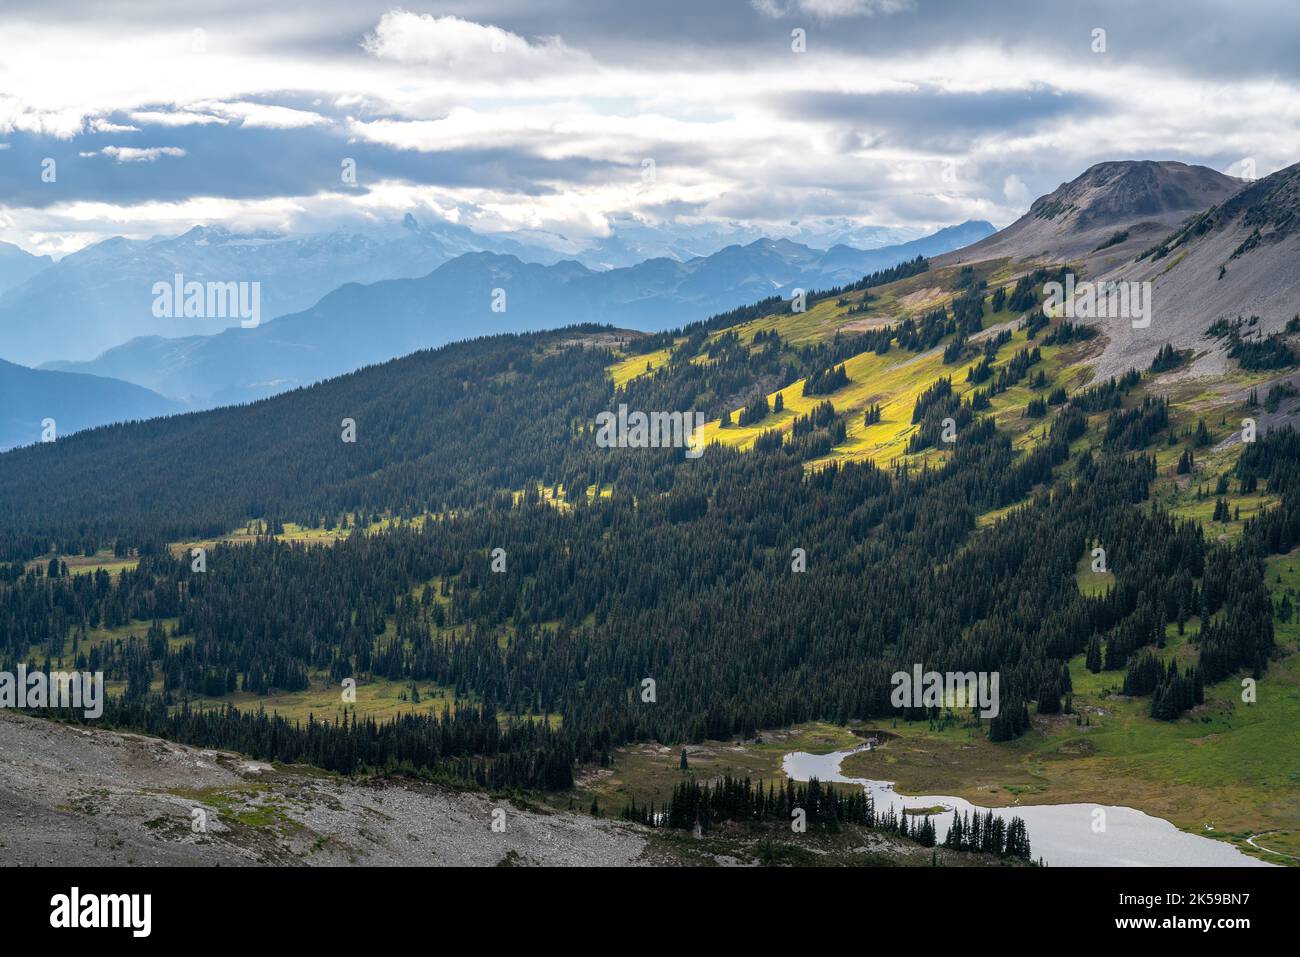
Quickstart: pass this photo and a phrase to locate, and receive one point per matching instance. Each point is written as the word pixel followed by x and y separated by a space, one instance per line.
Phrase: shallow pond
pixel 1061 834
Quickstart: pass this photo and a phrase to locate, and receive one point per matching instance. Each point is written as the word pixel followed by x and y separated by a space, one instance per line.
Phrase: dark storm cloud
pixel 1197 37
pixel 933 119
pixel 1200 37
pixel 234 162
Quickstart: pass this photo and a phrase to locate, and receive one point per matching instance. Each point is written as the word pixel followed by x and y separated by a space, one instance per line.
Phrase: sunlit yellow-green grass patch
pixel 895 381
pixel 1059 365
pixel 382 699
pixel 872 377
pixel 292 533
pixel 384 522
pixel 553 495
pixel 625 370
pixel 102 560
pixel 995 515
pixel 252 530
pixel 890 303
pixel 896 391
pixel 379 698
pixel 434 586
pixel 1241 507
pixel 819 321
pixel 558 496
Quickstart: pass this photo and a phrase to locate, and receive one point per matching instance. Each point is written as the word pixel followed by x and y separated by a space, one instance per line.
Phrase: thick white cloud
pixel 1016 192
pixel 16 115
pixel 101 125
pixel 266 116
pixel 830 9
pixel 175 118
pixel 132 154
pixel 454 46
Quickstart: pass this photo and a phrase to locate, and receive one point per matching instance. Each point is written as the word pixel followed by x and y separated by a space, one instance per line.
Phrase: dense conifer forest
pixel 740 800
pixel 682 575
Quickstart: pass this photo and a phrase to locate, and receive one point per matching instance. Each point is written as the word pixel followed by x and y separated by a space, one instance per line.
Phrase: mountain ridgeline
pixel 1080 220
pixel 477 293
pixel 17 266
pixel 101 296
pixel 39 403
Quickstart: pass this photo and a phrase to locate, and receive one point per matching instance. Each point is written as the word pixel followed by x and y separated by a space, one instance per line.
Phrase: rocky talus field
pixel 76 797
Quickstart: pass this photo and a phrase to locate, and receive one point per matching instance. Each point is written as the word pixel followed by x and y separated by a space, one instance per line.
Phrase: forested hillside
pixel 626 565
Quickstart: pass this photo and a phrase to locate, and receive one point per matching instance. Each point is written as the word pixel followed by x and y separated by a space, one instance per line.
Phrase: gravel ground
pixel 77 797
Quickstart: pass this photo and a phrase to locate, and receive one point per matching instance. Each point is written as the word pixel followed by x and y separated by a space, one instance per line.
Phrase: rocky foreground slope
pixel 76 797
pixel 71 796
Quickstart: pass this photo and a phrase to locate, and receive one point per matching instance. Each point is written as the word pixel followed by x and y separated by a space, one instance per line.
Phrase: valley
pixel 948 458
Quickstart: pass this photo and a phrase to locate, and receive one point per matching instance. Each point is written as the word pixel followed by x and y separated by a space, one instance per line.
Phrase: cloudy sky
pixel 559 116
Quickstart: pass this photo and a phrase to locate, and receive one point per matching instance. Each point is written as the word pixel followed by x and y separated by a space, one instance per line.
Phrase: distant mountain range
pixel 1208 242
pixel 101 296
pixel 73 401
pixel 358 324
pixel 1212 246
pixel 631 241
pixel 17 266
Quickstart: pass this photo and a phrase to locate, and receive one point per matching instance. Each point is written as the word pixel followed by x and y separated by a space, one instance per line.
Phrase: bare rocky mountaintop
pixel 1145 198
pixel 1212 246
pixel 1238 258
